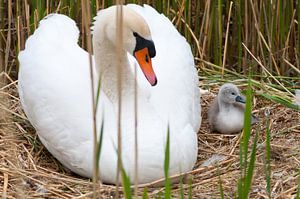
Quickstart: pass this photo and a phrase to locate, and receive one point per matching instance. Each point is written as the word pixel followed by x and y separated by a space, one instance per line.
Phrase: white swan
pixel 55 93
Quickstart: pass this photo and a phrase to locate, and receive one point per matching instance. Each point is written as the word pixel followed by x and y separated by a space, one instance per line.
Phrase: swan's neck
pixel 107 66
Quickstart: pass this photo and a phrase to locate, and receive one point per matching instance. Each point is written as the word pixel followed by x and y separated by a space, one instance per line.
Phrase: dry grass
pixel 28 170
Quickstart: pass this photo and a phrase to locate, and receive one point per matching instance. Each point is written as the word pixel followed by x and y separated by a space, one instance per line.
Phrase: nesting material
pixel 25 164
pixel 226 113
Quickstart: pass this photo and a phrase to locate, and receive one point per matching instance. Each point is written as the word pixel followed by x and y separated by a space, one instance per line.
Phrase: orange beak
pixel 144 60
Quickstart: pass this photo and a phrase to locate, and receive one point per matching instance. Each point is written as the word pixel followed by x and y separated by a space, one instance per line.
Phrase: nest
pixel 28 170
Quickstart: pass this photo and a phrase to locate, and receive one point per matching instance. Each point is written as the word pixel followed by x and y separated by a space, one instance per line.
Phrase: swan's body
pixel 226 114
pixel 55 92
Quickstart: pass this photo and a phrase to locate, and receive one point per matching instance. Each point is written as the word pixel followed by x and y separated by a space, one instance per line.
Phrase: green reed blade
pixel 145 193
pixel 167 166
pixel 250 169
pixel 268 156
pixel 126 184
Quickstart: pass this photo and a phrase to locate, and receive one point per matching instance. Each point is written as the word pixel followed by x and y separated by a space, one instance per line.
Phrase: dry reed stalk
pixel 291 65
pixel 246 37
pixel 268 48
pixel 8 38
pixel 226 39
pixel 59 3
pixel 265 43
pixel 200 51
pixel 119 49
pixel 286 43
pixel 86 14
pixel 180 12
pixel 5 184
pixel 19 28
pixel 27 17
pixel 2 83
pixel 265 69
pixel 205 30
pixel 136 172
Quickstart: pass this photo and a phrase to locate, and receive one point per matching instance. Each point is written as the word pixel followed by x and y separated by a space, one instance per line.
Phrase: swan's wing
pixel 53 68
pixel 55 91
pixel 212 114
pixel 177 91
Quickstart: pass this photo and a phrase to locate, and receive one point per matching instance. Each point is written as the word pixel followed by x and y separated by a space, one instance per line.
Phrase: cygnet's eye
pixel 232 93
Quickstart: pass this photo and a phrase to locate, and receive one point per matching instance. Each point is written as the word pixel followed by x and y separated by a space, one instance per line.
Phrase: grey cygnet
pixel 226 114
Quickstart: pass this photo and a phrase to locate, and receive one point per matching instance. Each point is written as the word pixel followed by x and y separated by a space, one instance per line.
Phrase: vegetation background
pixel 231 40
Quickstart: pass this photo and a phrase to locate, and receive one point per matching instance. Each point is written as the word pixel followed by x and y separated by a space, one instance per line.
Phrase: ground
pixel 28 170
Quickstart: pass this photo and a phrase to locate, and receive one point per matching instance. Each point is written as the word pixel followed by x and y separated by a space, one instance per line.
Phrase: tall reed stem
pixel 119 47
pixel 86 13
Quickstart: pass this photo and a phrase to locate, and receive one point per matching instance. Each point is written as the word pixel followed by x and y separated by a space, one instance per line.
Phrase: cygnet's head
pixel 230 94
pixel 136 36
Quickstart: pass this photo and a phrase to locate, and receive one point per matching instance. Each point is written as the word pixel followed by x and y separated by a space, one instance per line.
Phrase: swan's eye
pixel 135 34
pixel 147 58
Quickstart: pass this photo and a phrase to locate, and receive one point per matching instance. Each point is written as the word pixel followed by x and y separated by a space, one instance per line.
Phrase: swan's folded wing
pixel 54 87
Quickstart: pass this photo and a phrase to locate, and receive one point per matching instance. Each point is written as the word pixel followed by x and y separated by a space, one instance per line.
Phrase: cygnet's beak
pixel 143 52
pixel 240 99
pixel 143 58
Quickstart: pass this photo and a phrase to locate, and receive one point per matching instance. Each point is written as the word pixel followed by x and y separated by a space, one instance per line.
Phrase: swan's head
pixel 136 37
pixel 230 94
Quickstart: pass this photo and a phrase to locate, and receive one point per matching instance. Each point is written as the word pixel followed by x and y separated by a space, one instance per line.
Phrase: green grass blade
pixel 166 167
pixel 126 184
pixel 241 154
pixel 280 100
pixel 181 188
pixel 38 6
pixel 99 146
pixel 268 156
pixel 145 193
pixel 71 9
pixel 98 93
pixel 298 188
pixel 93 7
pixel 190 196
pixel 159 195
pixel 240 188
pixel 245 168
pixel 250 169
pixel 125 179
pixel 247 124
